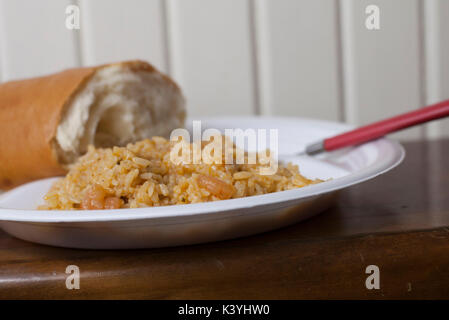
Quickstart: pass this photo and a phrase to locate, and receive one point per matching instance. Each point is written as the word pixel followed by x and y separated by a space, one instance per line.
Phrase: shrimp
pixel 216 187
pixel 95 199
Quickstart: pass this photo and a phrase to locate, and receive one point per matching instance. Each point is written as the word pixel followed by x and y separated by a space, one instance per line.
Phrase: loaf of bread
pixel 48 122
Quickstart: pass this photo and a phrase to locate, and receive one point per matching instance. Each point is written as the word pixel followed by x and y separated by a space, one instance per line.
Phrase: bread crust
pixel 30 112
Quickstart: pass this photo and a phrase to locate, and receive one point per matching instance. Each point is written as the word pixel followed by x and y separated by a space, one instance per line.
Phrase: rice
pixel 143 175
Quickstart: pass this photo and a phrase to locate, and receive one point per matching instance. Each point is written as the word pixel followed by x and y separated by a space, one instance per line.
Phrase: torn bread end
pixel 119 104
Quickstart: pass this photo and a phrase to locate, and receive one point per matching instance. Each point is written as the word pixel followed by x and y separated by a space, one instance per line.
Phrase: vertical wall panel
pixel 1 73
pixel 114 30
pixel 34 38
pixel 299 57
pixel 437 62
pixel 382 67
pixel 211 55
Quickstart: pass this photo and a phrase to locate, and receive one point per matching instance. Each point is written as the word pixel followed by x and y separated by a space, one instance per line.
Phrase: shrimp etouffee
pixel 143 175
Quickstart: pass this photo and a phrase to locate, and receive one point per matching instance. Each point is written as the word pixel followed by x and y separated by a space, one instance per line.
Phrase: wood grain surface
pixel 398 221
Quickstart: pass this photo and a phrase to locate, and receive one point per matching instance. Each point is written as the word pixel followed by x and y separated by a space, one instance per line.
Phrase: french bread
pixel 48 122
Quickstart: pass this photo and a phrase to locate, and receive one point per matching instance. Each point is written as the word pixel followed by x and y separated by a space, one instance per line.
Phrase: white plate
pixel 213 221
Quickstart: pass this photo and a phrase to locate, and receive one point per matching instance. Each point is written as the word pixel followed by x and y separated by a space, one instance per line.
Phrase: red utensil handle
pixel 383 127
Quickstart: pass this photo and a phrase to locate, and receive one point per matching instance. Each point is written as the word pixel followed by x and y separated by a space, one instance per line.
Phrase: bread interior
pixel 117 106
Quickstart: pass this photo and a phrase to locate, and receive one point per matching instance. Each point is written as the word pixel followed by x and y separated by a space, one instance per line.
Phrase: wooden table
pixel 398 222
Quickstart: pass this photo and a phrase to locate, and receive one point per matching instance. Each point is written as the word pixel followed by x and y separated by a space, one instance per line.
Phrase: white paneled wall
pixel 113 30
pixel 382 67
pixel 436 17
pixel 34 39
pixel 299 57
pixel 212 55
pixel 312 58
